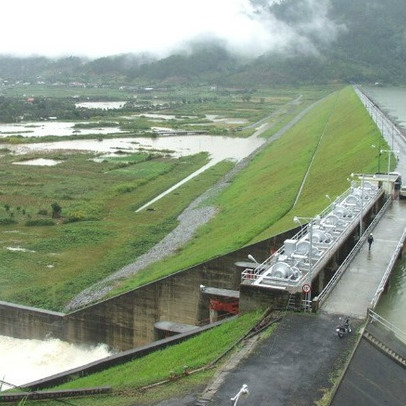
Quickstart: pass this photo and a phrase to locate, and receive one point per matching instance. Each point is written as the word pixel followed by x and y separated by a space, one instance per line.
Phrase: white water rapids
pixel 25 361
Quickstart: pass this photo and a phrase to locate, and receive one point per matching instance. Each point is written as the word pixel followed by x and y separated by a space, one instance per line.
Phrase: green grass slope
pixel 333 140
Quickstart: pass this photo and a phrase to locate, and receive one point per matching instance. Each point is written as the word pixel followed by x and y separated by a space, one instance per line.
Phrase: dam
pixel 182 304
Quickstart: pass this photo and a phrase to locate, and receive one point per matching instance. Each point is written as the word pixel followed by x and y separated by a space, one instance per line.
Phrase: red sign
pixel 306 288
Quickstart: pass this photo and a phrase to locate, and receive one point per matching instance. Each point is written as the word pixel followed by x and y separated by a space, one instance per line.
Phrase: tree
pixel 56 210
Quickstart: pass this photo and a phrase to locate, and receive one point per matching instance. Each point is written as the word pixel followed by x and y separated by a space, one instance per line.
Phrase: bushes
pixel 40 222
pixel 7 221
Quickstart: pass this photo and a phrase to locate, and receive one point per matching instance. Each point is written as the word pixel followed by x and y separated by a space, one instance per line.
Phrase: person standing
pixel 370 241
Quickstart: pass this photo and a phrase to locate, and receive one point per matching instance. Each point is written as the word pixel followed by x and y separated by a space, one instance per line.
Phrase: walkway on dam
pixel 357 287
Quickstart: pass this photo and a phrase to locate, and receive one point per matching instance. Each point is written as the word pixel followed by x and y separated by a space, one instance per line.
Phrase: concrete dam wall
pixel 127 320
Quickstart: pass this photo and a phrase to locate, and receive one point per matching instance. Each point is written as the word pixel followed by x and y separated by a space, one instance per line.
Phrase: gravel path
pixel 189 220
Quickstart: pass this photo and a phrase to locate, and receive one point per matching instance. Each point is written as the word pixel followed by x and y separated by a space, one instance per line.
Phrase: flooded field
pixel 116 105
pixel 218 147
pixel 54 128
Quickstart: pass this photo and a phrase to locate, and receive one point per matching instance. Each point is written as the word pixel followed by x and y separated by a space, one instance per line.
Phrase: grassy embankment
pixel 259 202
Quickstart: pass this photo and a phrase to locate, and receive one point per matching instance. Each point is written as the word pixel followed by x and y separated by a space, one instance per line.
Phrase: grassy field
pixel 45 260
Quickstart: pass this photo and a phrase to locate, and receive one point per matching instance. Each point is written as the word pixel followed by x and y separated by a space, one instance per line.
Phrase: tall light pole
pixel 361 214
pixel 389 151
pixel 379 155
pixel 307 289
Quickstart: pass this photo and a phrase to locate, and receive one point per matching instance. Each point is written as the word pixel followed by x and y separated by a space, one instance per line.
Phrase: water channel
pixel 392 305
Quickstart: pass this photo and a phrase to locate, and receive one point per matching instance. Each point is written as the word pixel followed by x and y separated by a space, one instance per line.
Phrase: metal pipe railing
pixel 388 271
pixel 342 268
pixel 375 317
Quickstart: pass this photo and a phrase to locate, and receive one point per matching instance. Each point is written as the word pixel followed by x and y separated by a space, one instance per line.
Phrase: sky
pixel 88 28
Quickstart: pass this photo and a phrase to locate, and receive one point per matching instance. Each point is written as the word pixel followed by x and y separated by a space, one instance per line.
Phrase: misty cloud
pixel 159 27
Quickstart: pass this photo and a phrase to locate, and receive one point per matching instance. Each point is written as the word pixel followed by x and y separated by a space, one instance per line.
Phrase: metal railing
pixel 342 268
pixel 375 317
pixel 388 271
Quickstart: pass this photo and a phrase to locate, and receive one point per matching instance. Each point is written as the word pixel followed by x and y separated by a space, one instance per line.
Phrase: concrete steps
pixel 385 349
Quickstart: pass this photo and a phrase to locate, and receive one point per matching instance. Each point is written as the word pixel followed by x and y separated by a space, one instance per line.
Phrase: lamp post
pixel 242 391
pixel 390 152
pixel 379 155
pixel 362 201
pixel 307 291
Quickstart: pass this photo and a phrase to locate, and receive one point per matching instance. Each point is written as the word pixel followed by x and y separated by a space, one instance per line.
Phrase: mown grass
pixel 259 202
pixel 196 352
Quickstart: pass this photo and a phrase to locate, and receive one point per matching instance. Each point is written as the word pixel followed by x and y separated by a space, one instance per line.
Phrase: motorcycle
pixel 343 329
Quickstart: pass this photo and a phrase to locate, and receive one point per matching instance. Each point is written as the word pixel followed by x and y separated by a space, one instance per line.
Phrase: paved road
pixel 372 379
pixel 292 367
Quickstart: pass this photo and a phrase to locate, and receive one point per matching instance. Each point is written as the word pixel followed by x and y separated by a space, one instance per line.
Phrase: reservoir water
pixel 392 305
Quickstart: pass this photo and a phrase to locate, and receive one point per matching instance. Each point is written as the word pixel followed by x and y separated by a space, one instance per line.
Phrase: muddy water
pixel 218 147
pixel 54 128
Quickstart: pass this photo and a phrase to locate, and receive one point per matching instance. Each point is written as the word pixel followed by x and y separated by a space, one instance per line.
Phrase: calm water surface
pixel 392 100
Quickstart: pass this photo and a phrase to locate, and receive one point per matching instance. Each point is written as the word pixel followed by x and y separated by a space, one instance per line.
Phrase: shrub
pixel 40 222
pixel 5 222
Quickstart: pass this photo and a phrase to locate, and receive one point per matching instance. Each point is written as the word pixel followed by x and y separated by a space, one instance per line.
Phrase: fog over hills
pixel 274 42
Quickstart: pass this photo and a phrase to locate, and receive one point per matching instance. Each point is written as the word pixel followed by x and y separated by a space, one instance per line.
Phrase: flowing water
pixel 392 305
pixel 23 361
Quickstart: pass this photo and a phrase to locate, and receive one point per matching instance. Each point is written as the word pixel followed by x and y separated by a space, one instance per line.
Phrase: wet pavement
pixel 291 367
pixel 372 379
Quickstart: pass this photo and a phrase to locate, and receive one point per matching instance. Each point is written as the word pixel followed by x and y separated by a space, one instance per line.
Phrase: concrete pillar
pixel 213 315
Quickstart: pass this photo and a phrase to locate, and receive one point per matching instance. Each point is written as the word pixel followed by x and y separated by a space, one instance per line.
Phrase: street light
pixel 390 152
pixel 296 219
pixel 252 259
pixel 379 155
pixel 242 391
pixel 362 201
